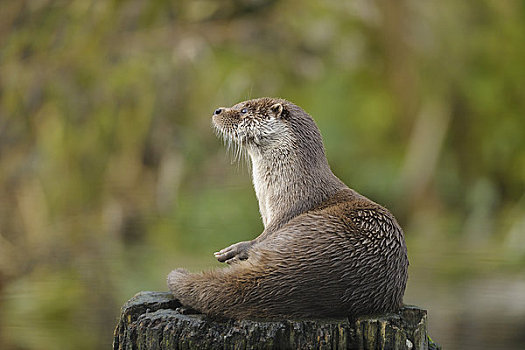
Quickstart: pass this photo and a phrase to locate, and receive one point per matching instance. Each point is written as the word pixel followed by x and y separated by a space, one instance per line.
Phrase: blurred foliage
pixel 110 174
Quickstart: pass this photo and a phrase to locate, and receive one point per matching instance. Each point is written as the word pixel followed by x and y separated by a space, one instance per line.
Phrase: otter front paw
pixel 235 251
pixel 175 280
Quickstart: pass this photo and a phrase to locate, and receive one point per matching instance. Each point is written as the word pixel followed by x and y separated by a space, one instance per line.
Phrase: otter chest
pixel 263 191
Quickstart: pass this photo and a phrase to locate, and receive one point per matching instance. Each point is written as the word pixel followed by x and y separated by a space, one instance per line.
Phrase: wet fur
pixel 326 250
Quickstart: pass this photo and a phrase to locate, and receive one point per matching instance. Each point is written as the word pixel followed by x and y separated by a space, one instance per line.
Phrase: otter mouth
pixel 230 133
pixel 235 140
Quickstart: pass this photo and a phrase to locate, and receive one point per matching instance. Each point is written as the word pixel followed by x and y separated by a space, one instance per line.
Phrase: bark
pixel 155 320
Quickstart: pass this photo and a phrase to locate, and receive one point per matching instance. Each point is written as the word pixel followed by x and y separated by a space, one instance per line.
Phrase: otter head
pixel 256 123
pixel 290 172
pixel 270 124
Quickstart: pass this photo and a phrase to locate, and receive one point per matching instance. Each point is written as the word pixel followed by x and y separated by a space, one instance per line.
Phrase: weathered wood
pixel 155 320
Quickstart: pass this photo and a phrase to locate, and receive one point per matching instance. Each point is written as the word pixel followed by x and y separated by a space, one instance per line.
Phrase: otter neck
pixel 288 184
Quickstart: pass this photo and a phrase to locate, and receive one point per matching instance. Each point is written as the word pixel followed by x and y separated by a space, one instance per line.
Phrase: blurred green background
pixel 110 174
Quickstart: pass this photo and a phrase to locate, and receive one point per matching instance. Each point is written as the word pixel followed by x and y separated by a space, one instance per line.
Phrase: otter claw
pixel 225 254
pixel 232 260
pixel 235 252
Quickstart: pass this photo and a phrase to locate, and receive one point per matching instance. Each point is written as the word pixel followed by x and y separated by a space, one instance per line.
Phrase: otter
pixel 326 251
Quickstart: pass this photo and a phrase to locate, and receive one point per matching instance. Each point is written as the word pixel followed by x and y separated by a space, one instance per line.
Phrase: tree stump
pixel 155 320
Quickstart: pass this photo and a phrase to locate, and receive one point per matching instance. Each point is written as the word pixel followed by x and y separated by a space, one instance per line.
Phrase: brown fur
pixel 326 250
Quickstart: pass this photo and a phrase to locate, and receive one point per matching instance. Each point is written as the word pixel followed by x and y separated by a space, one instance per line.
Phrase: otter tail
pixel 260 287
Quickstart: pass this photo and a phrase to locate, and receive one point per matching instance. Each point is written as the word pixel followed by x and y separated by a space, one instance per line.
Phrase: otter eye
pixel 244 110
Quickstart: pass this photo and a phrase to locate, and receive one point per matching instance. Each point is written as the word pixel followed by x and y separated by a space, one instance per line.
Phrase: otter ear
pixel 277 109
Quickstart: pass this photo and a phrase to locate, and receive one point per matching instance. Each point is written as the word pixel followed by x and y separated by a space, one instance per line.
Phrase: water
pixel 479 311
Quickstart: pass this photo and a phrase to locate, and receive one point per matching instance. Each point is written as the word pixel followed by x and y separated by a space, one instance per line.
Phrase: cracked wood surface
pixel 155 320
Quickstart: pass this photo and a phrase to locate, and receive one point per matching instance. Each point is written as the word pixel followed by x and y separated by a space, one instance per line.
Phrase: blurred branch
pixel 400 62
pixel 424 149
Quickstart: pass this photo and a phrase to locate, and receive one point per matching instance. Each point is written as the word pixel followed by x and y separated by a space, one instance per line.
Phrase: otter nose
pixel 218 111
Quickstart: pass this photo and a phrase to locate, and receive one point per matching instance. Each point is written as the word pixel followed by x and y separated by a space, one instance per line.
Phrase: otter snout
pixel 225 119
pixel 217 114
